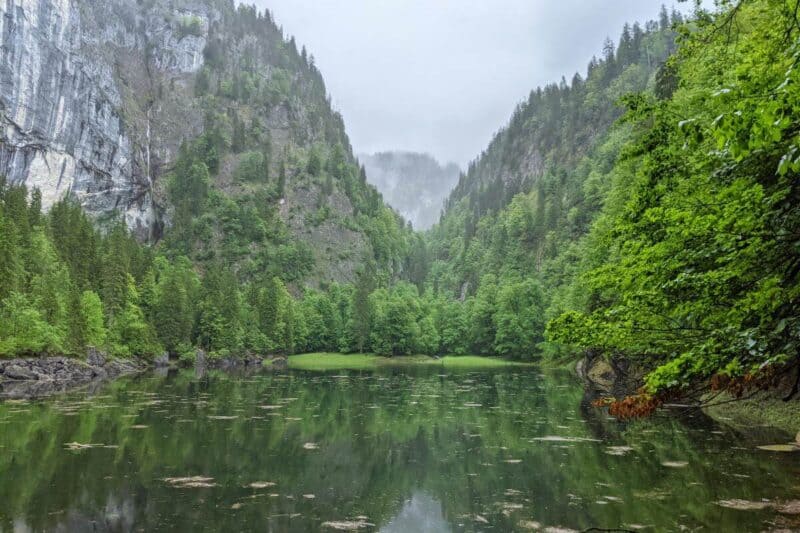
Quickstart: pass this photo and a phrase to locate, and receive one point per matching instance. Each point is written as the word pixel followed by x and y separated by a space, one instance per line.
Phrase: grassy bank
pixel 336 361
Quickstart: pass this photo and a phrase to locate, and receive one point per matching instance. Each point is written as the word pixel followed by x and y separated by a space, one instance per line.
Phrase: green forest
pixel 647 209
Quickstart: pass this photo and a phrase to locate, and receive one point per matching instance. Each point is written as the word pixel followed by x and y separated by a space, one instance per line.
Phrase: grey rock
pixel 614 376
pixel 95 357
pixel 46 376
pixel 20 373
pixel 280 363
pixel 201 359
pixel 161 361
pixel 43 374
pixel 77 109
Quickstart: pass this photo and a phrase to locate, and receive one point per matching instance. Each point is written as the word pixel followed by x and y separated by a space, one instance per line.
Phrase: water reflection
pixel 388 451
pixel 421 512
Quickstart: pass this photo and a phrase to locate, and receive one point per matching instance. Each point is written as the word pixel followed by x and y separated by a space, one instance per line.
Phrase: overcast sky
pixel 441 76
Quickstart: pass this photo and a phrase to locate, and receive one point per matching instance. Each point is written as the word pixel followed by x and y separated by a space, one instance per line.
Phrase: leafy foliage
pixel 701 278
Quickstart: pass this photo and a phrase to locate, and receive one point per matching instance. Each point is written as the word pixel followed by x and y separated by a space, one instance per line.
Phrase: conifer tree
pixel 11 267
pixel 92 321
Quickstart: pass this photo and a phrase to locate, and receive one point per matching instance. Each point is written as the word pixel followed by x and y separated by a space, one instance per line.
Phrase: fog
pixel 441 76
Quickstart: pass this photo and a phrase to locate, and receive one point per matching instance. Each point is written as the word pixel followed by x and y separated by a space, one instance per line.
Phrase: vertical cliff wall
pixel 98 96
pixel 83 109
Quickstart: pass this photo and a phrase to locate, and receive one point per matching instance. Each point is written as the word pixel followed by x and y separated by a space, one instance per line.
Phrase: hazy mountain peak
pixel 415 184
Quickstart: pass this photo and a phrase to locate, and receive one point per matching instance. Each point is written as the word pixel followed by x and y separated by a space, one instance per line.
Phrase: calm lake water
pixel 393 450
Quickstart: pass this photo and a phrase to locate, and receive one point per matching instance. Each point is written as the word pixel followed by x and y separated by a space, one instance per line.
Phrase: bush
pixel 23 331
pixel 251 168
pixel 190 25
pixel 187 355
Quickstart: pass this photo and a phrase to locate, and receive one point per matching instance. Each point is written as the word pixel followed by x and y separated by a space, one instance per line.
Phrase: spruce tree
pixel 11 266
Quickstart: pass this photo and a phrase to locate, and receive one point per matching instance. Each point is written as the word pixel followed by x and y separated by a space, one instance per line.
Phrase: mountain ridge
pixel 100 98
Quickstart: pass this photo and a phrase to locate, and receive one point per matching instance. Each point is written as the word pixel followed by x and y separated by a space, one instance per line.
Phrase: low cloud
pixel 442 76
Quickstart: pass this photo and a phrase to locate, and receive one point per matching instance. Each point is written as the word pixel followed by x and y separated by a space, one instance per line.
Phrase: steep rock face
pixel 77 110
pixel 97 97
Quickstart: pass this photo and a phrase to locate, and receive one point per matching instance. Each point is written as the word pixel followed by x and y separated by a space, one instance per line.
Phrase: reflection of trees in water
pixel 381 439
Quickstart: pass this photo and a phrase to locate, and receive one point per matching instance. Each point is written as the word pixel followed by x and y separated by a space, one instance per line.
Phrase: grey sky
pixel 441 76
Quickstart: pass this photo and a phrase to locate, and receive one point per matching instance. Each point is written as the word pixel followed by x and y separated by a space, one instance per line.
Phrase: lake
pixel 393 450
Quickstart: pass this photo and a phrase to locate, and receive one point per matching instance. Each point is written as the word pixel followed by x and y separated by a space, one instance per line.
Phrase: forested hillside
pixel 202 125
pixel 242 167
pixel 692 265
pixel 647 212
pixel 271 187
pixel 506 246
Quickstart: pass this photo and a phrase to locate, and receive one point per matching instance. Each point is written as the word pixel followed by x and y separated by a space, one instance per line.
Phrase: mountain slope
pixel 518 212
pixel 98 97
pixel 538 182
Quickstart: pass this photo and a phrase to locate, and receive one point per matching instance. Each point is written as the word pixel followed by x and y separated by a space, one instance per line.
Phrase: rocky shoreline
pixel 38 377
pixel 45 376
pixel 777 407
pixel 616 377
pixel 202 360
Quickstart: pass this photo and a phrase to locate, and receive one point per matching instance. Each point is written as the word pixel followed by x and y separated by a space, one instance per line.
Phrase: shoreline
pixel 619 378
pixel 31 378
pixel 34 378
pixel 41 377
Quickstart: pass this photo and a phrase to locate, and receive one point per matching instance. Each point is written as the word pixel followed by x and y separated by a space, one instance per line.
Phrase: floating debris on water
pixel 311 446
pixel 510 507
pixel 77 446
pixel 618 450
pixel 744 505
pixel 789 507
pixel 348 525
pixel 792 507
pixel 261 484
pixel 193 482
pixel 652 495
pixel 675 464
pixel 784 448
pixel 556 438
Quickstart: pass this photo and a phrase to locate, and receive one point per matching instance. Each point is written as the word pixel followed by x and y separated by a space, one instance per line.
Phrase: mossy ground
pixel 764 409
pixel 335 361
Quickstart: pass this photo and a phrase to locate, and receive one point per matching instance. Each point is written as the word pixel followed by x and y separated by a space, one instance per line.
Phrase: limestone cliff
pixel 98 96
pixel 78 99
